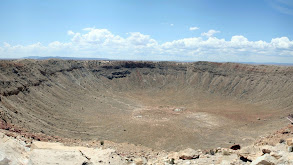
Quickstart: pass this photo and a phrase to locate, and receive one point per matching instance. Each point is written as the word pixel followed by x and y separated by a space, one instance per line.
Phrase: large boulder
pixel 12 150
pixel 289 142
pixel 60 153
pixel 188 154
pixel 287 158
pixel 52 156
pixel 103 156
pixel 266 159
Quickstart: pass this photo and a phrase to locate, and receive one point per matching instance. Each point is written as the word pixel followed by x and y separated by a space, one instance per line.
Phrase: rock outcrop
pixel 14 151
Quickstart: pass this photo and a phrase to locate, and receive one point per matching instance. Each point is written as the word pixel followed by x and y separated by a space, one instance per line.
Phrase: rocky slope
pixel 145 103
pixel 268 150
pixel 254 83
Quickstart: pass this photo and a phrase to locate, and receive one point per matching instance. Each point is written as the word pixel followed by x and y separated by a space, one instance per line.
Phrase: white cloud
pixel 137 38
pixel 88 29
pixel 171 24
pixel 183 43
pixel 193 28
pixel 239 41
pixel 210 33
pixel 70 32
pixel 59 45
pixel 92 42
pixel 282 43
pixel 6 44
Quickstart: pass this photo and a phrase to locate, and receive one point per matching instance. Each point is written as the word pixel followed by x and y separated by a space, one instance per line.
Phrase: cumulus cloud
pixel 137 38
pixel 70 32
pixel 93 42
pixel 210 33
pixel 94 36
pixel 282 43
pixel 193 28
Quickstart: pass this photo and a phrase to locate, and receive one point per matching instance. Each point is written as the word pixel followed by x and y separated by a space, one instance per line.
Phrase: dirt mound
pixel 163 105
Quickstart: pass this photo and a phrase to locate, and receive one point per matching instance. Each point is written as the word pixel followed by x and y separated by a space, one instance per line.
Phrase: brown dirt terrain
pixel 161 105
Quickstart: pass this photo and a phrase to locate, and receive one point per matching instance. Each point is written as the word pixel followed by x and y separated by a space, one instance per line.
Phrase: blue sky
pixel 210 30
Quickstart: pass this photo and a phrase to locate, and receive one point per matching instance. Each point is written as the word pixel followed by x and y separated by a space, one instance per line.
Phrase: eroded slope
pixel 162 105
